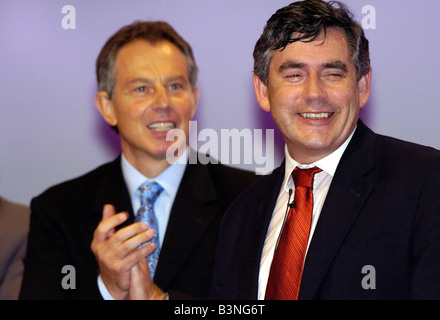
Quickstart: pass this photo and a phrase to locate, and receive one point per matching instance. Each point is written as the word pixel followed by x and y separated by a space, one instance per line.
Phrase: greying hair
pixel 151 31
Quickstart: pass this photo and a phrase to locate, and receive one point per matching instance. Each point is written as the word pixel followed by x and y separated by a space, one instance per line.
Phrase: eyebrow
pixel 291 65
pixel 143 80
pixel 326 65
pixel 147 80
pixel 335 65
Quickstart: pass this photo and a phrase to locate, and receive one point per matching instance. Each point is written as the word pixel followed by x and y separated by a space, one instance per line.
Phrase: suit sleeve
pixel 54 267
pixel 425 275
pixel 45 257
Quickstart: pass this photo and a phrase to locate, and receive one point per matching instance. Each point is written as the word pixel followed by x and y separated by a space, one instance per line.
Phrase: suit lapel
pixel 260 208
pixel 194 209
pixel 350 187
pixel 113 190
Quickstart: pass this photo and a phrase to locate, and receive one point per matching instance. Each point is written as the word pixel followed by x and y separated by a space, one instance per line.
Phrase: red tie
pixel 287 265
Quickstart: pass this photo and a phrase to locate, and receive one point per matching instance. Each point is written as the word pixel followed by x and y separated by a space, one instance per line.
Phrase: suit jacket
pixel 14 226
pixel 382 212
pixel 65 216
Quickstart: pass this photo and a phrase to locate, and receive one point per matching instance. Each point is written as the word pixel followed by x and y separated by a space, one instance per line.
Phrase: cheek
pixel 287 97
pixel 129 116
pixel 351 104
pixel 186 108
pixel 284 107
pixel 347 95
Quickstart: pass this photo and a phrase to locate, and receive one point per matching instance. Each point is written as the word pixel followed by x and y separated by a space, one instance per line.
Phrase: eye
pixel 294 77
pixel 141 89
pixel 334 75
pixel 175 86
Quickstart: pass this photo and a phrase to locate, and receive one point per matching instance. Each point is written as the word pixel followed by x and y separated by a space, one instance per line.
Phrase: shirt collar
pixel 169 179
pixel 328 164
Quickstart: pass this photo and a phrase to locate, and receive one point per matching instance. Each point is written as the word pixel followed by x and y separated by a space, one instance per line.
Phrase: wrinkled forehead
pixel 329 46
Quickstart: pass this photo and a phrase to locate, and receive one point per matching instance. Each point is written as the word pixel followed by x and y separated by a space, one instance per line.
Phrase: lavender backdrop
pixel 50 130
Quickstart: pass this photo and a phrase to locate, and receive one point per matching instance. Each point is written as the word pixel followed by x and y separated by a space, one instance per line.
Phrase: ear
pixel 364 88
pixel 105 106
pixel 261 93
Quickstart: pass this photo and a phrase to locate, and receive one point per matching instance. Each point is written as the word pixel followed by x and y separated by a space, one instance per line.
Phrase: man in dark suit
pixel 375 220
pixel 83 242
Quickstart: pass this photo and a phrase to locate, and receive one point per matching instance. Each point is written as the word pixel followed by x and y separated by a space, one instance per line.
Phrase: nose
pixel 314 89
pixel 162 100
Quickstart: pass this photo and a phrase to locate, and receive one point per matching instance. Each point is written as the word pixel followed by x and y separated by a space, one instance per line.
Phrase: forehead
pixel 329 47
pixel 141 55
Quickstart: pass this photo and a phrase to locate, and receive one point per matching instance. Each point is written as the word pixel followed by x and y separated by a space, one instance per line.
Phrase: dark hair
pixel 151 31
pixel 307 19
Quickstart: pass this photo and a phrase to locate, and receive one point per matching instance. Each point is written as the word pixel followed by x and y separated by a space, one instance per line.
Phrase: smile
pixel 316 116
pixel 161 126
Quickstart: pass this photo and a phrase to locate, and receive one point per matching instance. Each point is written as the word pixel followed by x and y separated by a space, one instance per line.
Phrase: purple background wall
pixel 50 130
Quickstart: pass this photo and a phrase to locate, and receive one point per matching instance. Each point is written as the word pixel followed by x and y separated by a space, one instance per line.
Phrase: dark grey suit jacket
pixel 65 216
pixel 382 210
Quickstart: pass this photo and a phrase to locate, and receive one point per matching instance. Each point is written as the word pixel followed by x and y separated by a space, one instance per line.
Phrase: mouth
pixel 162 126
pixel 316 116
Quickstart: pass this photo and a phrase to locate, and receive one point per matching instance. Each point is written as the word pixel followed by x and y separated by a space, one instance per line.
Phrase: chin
pixel 161 151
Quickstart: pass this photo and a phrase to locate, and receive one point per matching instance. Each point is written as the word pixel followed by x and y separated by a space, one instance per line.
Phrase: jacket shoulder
pixel 264 189
pixel 402 155
pixel 81 185
pixel 229 182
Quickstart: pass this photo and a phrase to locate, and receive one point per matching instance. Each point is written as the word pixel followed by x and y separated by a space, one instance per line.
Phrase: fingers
pixel 123 265
pixel 141 285
pixel 108 211
pixel 138 291
pixel 118 251
pixel 126 239
pixel 123 242
pixel 106 227
pixel 129 240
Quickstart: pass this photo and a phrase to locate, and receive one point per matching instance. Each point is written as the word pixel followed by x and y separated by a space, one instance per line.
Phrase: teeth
pixel 316 116
pixel 162 126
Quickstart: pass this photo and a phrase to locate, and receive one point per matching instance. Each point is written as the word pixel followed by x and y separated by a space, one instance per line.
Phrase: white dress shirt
pixel 321 186
pixel 169 180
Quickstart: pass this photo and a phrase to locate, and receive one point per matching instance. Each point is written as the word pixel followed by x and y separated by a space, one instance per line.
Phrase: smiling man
pixel 361 201
pixel 152 95
pixel 314 95
pixel 147 86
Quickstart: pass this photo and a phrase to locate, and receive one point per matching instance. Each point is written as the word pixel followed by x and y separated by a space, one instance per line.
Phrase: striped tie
pixel 287 265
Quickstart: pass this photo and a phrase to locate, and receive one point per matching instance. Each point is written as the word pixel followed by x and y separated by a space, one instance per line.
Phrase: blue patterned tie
pixel 148 193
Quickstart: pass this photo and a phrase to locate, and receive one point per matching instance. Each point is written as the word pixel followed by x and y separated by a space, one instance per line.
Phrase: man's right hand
pixel 142 287
pixel 117 252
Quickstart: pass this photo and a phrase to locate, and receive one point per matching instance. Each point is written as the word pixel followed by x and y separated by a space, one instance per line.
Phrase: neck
pixel 305 157
pixel 150 167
